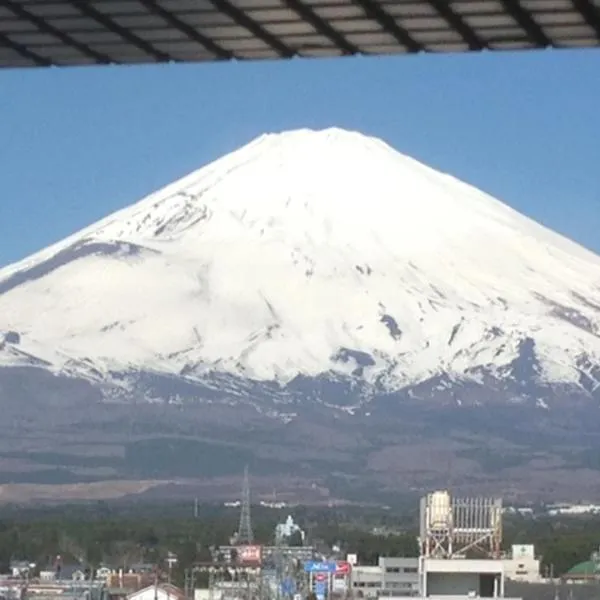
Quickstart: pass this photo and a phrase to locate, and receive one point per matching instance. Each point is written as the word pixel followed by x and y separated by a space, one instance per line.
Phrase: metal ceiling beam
pixel 388 23
pixel 308 14
pixel 40 61
pixel 590 12
pixel 525 20
pixel 243 20
pixel 88 9
pixel 65 38
pixel 192 33
pixel 35 35
pixel 455 21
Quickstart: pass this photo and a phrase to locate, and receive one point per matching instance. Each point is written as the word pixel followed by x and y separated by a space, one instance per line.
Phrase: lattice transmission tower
pixel 245 535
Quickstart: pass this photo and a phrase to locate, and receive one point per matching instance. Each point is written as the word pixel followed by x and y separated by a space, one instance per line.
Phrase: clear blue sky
pixel 77 144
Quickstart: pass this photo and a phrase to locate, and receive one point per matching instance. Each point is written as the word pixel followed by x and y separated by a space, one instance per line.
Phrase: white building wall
pixel 522 565
pixel 205 594
pixel 522 569
pixel 368 580
pixel 461 577
pixel 149 593
pixel 393 577
pixel 452 584
pixel 152 593
pixel 467 565
pixel 400 576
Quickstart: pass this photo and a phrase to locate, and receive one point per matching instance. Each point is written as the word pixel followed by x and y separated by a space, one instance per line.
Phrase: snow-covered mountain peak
pixel 303 253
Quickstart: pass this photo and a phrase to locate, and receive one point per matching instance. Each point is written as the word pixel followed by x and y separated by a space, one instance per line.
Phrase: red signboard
pixel 342 568
pixel 249 555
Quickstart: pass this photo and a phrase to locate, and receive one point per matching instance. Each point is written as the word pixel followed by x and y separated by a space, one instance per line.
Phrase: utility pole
pixel 156 583
pixel 171 560
pixel 189 583
pixel 91 581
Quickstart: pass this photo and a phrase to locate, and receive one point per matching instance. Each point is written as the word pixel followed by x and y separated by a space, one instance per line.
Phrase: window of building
pixel 410 569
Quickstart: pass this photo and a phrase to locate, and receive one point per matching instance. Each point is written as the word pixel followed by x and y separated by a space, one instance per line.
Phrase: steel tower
pixel 245 535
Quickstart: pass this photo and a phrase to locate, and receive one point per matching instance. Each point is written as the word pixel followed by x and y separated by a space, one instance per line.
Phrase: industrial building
pixel 460 555
pixel 482 578
pixel 460 541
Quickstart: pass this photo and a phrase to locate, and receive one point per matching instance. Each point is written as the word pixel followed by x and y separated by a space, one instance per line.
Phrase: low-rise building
pixel 121 584
pixel 521 564
pixel 584 572
pixel 400 576
pixel 367 581
pixel 21 568
pixel 392 577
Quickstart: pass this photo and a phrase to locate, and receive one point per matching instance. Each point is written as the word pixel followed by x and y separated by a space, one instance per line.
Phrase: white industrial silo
pixel 440 511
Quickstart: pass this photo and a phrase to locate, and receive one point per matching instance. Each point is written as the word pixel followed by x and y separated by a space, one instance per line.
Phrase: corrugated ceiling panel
pixel 61 32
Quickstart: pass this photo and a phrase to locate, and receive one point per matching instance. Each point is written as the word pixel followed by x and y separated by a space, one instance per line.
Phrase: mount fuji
pixel 314 290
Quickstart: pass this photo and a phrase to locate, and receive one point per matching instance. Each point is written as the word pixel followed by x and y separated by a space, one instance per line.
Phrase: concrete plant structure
pixel 460 540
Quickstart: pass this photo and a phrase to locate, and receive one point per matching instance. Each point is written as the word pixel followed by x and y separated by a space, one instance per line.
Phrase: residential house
pixel 21 568
pixel 71 572
pixel 141 568
pixel 120 584
pixel 103 573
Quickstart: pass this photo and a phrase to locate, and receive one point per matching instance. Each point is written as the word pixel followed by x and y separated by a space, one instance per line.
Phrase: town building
pixel 392 577
pixel 522 564
pixel 367 581
pixel 21 568
pixel 400 576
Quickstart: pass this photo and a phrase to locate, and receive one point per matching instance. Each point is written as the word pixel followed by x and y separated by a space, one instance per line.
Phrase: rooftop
pixel 589 567
pixel 63 32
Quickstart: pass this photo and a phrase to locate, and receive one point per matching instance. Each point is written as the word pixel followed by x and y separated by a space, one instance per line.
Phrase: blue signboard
pixel 313 566
pixel 320 589
pixel 288 587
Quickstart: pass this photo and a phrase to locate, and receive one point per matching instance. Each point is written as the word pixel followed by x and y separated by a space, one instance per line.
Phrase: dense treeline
pixel 99 534
pixel 561 542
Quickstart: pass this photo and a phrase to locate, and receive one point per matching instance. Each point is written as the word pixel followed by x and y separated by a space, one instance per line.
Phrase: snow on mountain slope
pixel 302 253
